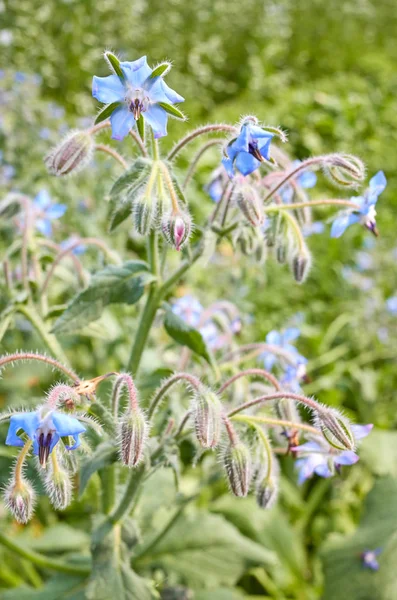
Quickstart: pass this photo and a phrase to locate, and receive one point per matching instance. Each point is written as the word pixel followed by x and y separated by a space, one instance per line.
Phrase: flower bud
pixel 71 155
pixel 267 492
pixel 176 228
pixel 144 215
pixel 249 203
pixel 300 265
pixel 20 500
pixel 237 462
pixel 336 429
pixel 207 414
pixel 133 436
pixel 281 252
pixel 59 487
pixel 344 170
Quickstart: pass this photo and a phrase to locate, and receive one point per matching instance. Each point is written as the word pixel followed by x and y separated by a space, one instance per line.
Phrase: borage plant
pixel 262 207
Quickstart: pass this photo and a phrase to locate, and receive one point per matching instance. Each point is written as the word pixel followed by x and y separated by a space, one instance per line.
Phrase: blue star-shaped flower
pixel 45 212
pixel 318 458
pixel 282 340
pixel 246 152
pixel 136 94
pixel 366 213
pixel 45 428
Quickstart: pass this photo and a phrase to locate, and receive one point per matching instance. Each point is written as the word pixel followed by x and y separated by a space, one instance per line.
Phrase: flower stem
pixel 330 202
pixel 129 494
pixel 257 372
pixel 113 153
pixel 197 132
pixel 23 356
pixel 255 419
pixel 19 464
pixel 312 404
pixel 160 393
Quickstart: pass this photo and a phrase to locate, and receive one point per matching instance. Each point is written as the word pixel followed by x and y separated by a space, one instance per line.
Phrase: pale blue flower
pixel 369 559
pixel 283 340
pixel 313 228
pixel 189 309
pixel 136 94
pixel 45 428
pixel 45 212
pixel 366 212
pixel 391 305
pixel 215 187
pixel 306 180
pixel 317 457
pixel 77 250
pixel 246 152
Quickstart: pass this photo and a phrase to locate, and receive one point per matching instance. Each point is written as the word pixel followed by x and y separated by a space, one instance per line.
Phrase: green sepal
pixel 140 124
pixel 115 65
pixel 160 70
pixel 106 112
pixel 172 110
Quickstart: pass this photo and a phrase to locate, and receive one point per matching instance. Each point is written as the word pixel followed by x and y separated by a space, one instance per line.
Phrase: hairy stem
pixel 196 133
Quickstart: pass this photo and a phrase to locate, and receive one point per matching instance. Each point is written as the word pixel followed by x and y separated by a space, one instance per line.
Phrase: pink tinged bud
pixel 207 414
pixel 71 155
pixel 237 462
pixel 20 500
pixel 134 431
pixel 336 429
pixel 176 228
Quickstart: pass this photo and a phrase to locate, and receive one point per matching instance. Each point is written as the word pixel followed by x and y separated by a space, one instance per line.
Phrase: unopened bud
pixel 176 228
pixel 345 170
pixel 336 429
pixel 59 487
pixel 144 215
pixel 207 413
pixel 300 265
pixel 71 155
pixel 267 492
pixel 20 500
pixel 237 461
pixel 249 203
pixel 281 252
pixel 133 436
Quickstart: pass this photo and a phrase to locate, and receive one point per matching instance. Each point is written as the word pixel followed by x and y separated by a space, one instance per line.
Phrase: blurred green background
pixel 326 72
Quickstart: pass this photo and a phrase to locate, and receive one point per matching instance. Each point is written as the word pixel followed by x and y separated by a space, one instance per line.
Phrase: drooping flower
pixel 246 152
pixel 45 212
pixel 283 340
pixel 216 184
pixel 369 559
pixel 317 457
pixel 44 427
pixel 136 92
pixel 366 212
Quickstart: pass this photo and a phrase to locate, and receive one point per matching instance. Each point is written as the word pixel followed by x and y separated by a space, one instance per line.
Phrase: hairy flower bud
pixel 344 170
pixel 71 155
pixel 207 414
pixel 176 228
pixel 336 429
pixel 300 265
pixel 237 462
pixel 59 487
pixel 20 499
pixel 133 436
pixel 249 203
pixel 267 492
pixel 144 215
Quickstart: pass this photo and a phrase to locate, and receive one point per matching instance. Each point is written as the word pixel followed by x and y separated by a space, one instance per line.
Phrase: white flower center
pixel 137 101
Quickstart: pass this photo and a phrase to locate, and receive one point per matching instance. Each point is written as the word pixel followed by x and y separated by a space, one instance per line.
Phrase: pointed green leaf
pixel 115 64
pixel 172 110
pixel 113 285
pixel 186 335
pixel 106 112
pixel 161 69
pixel 139 169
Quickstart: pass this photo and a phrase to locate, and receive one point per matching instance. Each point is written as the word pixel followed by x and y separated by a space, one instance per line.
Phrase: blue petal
pixel 240 144
pixel 121 120
pixel 76 444
pixel 28 421
pixel 290 334
pixel 346 458
pixel 307 180
pixel 323 471
pixel 136 72
pixel 269 361
pixel 378 183
pixel 287 193
pixel 44 226
pixel 108 89
pixel 172 96
pixel 309 447
pixel 42 200
pixel 228 164
pixel 273 338
pixel 66 424
pixel 361 431
pixel 246 163
pixel 157 119
pixel 259 133
pixel 55 211
pixel 265 149
pixel 159 91
pixel 340 225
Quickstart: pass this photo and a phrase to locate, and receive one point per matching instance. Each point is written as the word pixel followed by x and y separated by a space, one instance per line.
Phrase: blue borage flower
pixel 306 180
pixel 366 213
pixel 136 92
pixel 44 427
pixel 317 457
pixel 391 305
pixel 282 340
pixel 45 212
pixel 246 152
pixel 369 559
pixel 216 184
pixel 70 241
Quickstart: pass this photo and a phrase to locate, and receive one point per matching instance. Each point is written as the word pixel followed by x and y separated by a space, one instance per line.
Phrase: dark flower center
pixel 44 447
pixel 254 150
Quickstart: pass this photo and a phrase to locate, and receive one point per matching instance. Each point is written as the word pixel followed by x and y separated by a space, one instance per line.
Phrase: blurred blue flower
pixel 391 305
pixel 369 559
pixel 45 212
pixel 246 152
pixel 366 213
pixel 317 457
pixel 45 428
pixel 138 94
pixel 189 309
pixel 80 249
pixel 306 180
pixel 282 340
pixel 293 376
pixel 313 228
pixel 364 261
pixel 216 184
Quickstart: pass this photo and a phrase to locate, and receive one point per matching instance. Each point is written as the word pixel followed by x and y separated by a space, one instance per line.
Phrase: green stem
pixel 43 561
pixel 254 420
pixel 48 338
pixel 108 481
pixel 330 202
pixel 128 497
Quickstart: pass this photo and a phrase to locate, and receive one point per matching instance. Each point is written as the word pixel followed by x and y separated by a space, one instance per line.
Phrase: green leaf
pixel 106 112
pixel 105 454
pixel 172 110
pixel 59 587
pixel 115 64
pixel 219 594
pixel 56 539
pixel 161 69
pixel 206 551
pixel 341 554
pixel 186 335
pixel 140 168
pixel 113 285
pixel 124 191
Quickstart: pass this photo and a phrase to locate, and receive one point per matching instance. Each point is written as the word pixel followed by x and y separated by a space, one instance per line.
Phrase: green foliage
pixel 185 335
